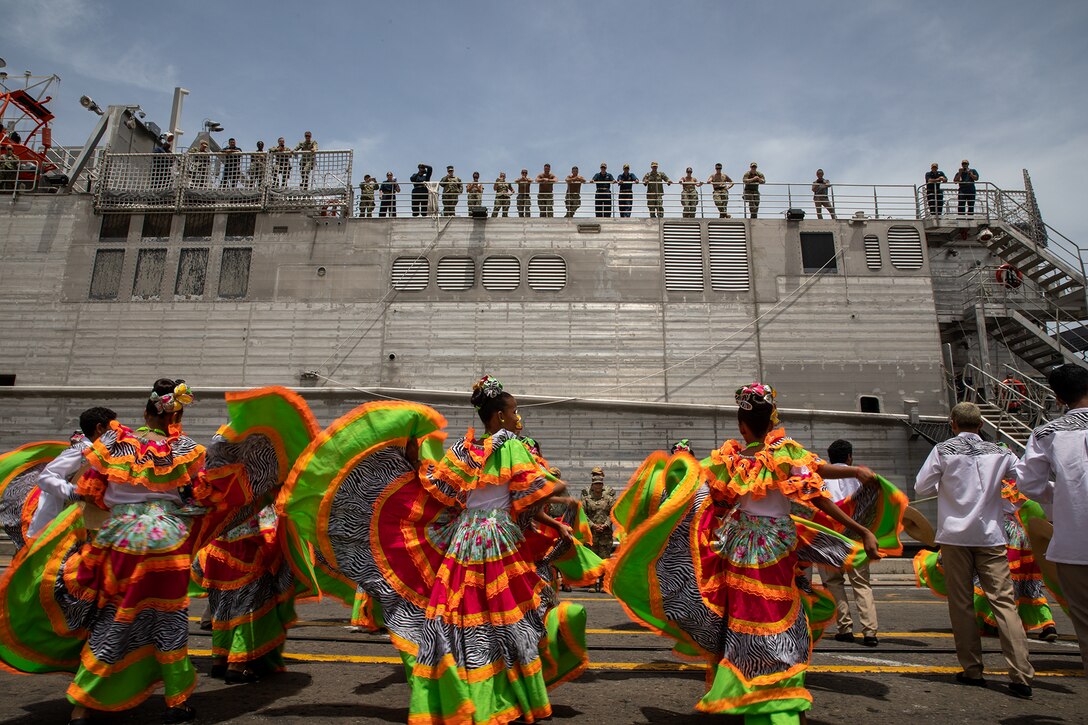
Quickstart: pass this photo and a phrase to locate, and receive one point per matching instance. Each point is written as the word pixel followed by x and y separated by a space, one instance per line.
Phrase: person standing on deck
pixel 655 189
pixel 820 190
pixel 934 193
pixel 545 199
pixel 573 197
pixel 626 199
pixel 451 189
pixel 503 190
pixel 751 180
pixel 602 200
pixel 308 147
pixel 721 184
pixel 966 178
pixel 419 189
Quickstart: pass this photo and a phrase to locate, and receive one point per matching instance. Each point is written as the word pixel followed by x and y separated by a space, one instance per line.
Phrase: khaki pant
pixel 721 200
pixel 863 598
pixel 992 566
pixel 1074 581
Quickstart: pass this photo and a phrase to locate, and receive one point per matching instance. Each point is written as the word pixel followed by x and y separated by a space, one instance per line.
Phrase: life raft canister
pixel 1009 276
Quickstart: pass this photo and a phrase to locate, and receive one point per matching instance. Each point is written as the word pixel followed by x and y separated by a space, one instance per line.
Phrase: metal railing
pixel 678 200
pixel 224 181
pixel 25 178
pixel 1019 413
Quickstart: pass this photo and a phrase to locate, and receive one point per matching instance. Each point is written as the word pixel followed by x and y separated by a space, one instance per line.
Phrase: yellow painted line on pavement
pixel 671 666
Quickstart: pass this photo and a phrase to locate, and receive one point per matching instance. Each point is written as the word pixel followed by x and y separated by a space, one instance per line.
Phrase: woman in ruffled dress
pixel 113 609
pixel 439 543
pixel 712 557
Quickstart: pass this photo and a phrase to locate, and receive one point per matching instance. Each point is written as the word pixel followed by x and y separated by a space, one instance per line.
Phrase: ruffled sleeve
pixel 781 465
pixel 121 457
pixel 501 459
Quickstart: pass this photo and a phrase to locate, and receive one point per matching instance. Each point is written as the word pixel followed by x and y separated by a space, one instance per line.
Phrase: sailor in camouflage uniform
pixel 451 188
pixel 655 189
pixel 308 147
pixel 367 188
pixel 503 191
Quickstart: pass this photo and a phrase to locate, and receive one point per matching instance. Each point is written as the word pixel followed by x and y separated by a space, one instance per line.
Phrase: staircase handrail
pixel 1037 391
pixel 1005 396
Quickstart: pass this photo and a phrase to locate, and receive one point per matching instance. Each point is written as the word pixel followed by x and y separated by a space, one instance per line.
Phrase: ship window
pixel 156 225
pixel 410 274
pixel 728 257
pixel 234 273
pixel 869 404
pixel 241 225
pixel 905 247
pixel 501 274
pixel 106 275
pixel 199 225
pixel 818 252
pixel 115 226
pixel 150 265
pixel 456 274
pixel 192 272
pixel 683 257
pixel 547 273
pixel 872 251
pixel 7 379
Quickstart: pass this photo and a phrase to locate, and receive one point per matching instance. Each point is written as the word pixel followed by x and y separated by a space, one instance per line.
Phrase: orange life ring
pixel 1008 400
pixel 1009 276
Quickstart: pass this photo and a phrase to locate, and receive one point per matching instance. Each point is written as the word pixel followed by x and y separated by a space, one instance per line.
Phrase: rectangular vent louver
pixel 728 258
pixel 905 247
pixel 456 274
pixel 502 274
pixel 547 273
pixel 410 274
pixel 872 252
pixel 683 258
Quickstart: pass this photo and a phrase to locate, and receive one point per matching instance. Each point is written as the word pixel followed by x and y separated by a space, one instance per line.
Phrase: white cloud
pixel 72 35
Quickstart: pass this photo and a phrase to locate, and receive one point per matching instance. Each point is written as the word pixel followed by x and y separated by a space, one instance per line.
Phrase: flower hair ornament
pixel 489 385
pixel 747 396
pixel 174 401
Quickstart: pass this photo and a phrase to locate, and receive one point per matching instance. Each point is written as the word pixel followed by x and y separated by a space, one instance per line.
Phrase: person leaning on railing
pixel 573 198
pixel 655 190
pixel 282 166
pixel 503 190
pixel 258 162
pixel 545 199
pixel 626 197
pixel 721 184
pixel 232 164
pixel 751 180
pixel 9 168
pixel 820 198
pixel 199 164
pixel 389 190
pixel 689 196
pixel 524 185
pixel 934 193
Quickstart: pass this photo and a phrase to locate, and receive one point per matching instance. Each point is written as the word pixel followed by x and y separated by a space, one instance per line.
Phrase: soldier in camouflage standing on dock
pixel 655 189
pixel 597 502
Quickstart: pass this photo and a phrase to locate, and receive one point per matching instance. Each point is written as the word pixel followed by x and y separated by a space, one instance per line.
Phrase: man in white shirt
pixel 842 452
pixel 1055 469
pixel 965 473
pixel 55 480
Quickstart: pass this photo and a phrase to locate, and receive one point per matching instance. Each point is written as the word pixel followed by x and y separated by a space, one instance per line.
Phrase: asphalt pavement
pixel 342 676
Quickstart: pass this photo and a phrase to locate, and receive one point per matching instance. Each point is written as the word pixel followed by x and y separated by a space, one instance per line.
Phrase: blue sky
pixel 870 91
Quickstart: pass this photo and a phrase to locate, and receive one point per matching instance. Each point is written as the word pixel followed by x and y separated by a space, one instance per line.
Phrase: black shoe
pixel 1050 634
pixel 80 721
pixel 963 679
pixel 1017 689
pixel 844 637
pixel 181 713
pixel 239 677
pixel 870 641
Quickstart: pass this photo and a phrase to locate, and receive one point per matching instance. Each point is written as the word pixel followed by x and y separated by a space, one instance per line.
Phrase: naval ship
pixel 123 261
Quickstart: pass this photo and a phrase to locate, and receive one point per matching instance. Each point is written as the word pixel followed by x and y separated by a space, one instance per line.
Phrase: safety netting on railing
pixel 316 180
